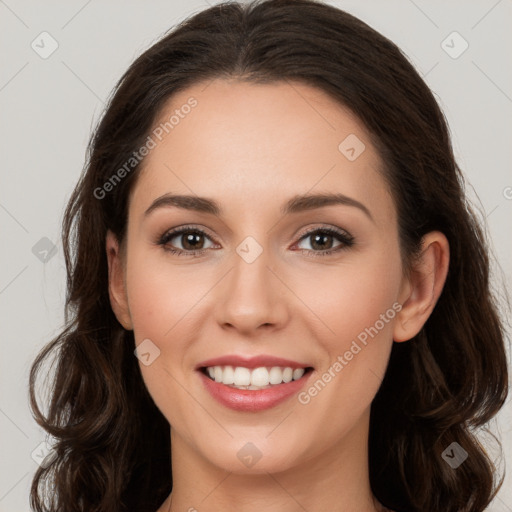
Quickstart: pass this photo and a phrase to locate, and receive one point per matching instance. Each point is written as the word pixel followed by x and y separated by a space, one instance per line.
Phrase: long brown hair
pixel 112 449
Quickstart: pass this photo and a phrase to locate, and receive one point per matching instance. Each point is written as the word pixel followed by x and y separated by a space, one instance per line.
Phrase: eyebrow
pixel 296 204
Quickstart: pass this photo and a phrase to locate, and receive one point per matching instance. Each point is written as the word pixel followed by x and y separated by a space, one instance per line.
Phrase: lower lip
pixel 253 399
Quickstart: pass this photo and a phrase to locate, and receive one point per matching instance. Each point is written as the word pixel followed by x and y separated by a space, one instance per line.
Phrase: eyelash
pixel 344 237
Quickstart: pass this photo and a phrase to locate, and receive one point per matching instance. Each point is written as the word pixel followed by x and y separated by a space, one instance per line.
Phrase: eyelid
pixel 330 229
pixel 173 232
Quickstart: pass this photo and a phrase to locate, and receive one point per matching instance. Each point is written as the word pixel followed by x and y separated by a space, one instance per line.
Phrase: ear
pixel 423 287
pixel 116 282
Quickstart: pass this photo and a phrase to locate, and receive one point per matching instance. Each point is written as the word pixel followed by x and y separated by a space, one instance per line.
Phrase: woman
pixel 279 296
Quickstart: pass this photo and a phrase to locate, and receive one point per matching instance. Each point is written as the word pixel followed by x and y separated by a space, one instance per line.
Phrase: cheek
pixel 359 308
pixel 163 303
pixel 354 298
pixel 161 296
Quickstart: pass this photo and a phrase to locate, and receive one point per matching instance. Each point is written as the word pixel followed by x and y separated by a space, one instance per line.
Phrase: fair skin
pixel 251 148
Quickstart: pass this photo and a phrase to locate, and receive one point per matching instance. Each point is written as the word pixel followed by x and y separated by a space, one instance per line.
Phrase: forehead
pixel 249 142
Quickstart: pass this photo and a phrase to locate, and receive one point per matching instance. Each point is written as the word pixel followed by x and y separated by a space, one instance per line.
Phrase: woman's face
pixel 267 280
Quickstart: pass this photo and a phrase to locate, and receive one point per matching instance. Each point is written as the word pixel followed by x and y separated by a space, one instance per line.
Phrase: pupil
pixel 189 240
pixel 322 244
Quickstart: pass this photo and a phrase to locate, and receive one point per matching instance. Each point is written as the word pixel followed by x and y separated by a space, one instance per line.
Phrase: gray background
pixel 49 106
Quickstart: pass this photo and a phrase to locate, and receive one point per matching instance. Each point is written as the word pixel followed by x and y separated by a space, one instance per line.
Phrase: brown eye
pixel 192 240
pixel 323 241
pixel 185 241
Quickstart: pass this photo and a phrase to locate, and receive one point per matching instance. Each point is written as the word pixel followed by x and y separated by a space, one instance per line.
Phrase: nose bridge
pixel 252 297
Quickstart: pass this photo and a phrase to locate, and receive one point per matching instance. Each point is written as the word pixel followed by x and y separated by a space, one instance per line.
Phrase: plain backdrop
pixel 50 102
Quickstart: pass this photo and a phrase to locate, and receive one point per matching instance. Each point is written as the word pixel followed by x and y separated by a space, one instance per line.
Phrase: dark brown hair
pixel 112 449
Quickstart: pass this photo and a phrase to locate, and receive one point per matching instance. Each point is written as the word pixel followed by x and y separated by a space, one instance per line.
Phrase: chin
pixel 254 455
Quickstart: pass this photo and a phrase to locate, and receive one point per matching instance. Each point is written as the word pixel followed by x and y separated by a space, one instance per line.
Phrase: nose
pixel 251 297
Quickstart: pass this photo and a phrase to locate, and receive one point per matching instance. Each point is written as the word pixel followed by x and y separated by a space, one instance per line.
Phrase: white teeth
pixel 242 376
pixel 287 375
pixel 257 378
pixel 228 375
pixel 276 375
pixel 298 373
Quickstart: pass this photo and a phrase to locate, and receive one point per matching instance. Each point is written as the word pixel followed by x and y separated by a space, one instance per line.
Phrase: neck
pixel 336 479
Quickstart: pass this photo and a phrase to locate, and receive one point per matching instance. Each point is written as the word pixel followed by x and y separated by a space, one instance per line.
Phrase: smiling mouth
pixel 263 377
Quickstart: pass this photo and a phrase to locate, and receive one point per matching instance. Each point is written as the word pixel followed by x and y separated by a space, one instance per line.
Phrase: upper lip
pixel 251 362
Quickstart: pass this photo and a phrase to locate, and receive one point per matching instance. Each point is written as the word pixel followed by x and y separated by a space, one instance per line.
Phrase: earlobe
pixel 116 282
pixel 423 286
